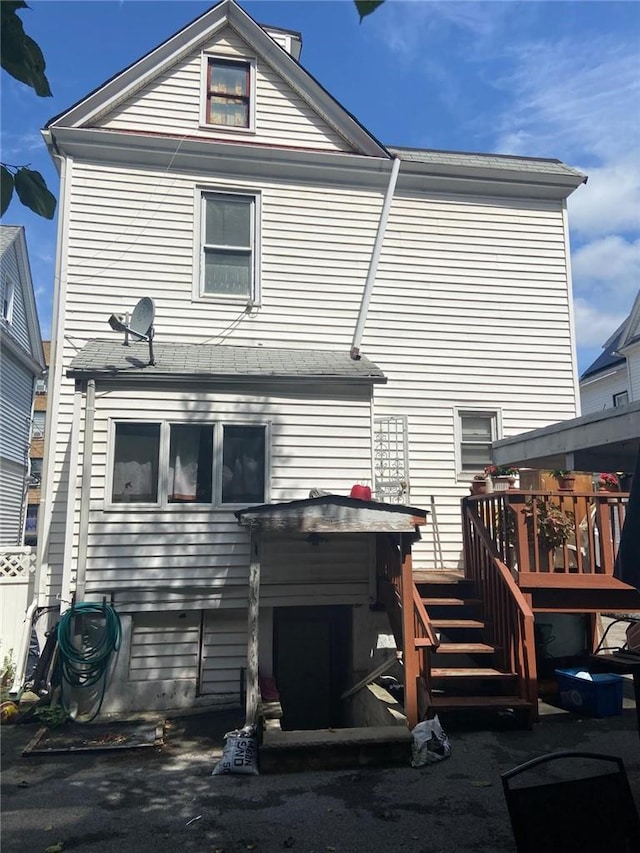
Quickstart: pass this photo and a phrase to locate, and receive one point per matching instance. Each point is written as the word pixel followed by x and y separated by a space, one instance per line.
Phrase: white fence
pixel 16 564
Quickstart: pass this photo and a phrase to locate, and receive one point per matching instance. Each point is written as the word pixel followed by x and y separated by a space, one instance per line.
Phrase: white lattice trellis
pixel 16 562
pixel 391 460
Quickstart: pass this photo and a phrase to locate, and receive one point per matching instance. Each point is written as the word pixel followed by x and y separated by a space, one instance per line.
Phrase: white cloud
pixel 612 261
pixel 610 201
pixel 593 325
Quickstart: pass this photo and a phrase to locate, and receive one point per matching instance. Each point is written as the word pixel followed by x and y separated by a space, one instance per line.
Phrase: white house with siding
pixel 22 361
pixel 614 377
pixel 328 311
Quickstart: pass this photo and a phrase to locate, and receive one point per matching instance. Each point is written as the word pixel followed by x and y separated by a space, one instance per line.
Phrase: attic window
pixel 228 90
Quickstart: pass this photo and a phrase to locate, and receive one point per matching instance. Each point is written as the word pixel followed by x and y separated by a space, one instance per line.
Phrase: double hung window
pixel 203 463
pixel 227 245
pixel 476 431
pixel 228 93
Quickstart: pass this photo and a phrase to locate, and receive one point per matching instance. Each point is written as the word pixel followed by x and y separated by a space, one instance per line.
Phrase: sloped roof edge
pixel 227 12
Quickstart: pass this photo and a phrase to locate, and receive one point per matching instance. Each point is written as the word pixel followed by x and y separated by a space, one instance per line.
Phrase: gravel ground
pixel 165 799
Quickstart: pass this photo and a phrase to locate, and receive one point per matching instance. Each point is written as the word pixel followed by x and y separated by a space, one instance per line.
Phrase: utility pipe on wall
pixel 375 257
pixel 85 489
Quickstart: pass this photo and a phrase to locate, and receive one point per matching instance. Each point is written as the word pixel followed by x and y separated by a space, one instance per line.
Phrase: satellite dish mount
pixel 140 326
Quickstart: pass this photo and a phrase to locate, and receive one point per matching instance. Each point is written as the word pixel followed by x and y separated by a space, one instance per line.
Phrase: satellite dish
pixel 140 325
pixel 142 318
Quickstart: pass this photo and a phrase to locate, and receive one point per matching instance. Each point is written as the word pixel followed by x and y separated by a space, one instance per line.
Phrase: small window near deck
pixel 190 463
pixel 227 245
pixel 621 399
pixel 477 432
pixel 243 464
pixel 135 469
pixel 228 93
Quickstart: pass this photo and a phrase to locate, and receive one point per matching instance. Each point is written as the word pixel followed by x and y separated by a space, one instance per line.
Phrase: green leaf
pixel 6 189
pixel 20 56
pixel 366 7
pixel 33 193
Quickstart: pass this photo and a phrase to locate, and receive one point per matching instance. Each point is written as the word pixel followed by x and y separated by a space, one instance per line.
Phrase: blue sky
pixel 544 79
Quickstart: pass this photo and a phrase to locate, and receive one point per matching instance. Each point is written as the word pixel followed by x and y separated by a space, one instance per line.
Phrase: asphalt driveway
pixel 154 800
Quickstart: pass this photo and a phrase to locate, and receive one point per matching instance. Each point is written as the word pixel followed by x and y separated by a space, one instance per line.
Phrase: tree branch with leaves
pixel 21 57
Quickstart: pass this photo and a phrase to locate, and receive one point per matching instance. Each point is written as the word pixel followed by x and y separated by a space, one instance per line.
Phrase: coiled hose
pixel 88 635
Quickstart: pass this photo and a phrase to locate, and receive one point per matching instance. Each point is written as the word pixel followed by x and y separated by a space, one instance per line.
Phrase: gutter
pixel 375 257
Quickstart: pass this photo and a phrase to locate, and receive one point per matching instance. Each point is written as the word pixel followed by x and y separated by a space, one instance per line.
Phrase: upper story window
pixel 41 384
pixel 621 399
pixel 228 246
pixel 35 466
pixel 229 93
pixel 8 294
pixel 39 421
pixel 204 463
pixel 476 430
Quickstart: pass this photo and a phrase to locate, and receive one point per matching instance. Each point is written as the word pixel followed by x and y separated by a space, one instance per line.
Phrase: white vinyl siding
pixel 172 103
pixel 12 478
pixel 195 553
pixel 224 653
pixel 633 367
pixel 469 308
pixel 596 392
pixel 164 646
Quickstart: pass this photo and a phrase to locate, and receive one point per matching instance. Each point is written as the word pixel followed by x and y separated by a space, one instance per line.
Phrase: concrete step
pixel 334 749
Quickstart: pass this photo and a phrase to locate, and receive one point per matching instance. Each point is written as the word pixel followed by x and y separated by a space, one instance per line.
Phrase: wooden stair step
pixel 457 623
pixel 451 602
pixel 466 648
pixel 469 672
pixel 453 702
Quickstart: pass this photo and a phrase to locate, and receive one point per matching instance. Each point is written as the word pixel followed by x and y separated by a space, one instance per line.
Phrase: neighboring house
pixel 22 363
pixel 614 377
pixel 36 452
pixel 329 311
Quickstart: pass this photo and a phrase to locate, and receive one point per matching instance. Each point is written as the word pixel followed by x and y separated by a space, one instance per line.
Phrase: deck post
pixel 253 687
pixel 410 658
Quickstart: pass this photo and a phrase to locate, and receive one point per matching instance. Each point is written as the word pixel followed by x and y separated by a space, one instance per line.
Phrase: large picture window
pixel 228 245
pixel 169 463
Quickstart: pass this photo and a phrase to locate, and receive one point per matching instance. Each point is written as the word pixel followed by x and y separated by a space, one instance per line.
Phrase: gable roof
pixel 14 236
pixel 627 333
pixel 109 358
pixel 189 38
pixel 631 326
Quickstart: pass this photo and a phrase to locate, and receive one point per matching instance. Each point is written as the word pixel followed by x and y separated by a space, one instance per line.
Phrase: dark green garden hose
pixel 88 635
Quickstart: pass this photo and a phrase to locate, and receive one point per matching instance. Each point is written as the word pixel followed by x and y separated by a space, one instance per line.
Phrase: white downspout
pixel 72 489
pixel 375 257
pixel 85 488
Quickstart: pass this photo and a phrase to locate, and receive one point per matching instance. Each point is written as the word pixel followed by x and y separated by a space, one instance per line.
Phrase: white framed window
pixel 8 297
pixel 475 431
pixel 621 398
pixel 38 424
pixel 227 253
pixel 228 93
pixel 165 463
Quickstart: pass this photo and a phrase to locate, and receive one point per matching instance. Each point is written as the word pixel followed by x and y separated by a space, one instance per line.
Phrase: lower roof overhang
pixel 601 441
pixel 333 514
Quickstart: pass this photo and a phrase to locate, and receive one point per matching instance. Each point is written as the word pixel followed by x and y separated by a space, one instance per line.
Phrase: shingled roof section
pixel 103 358
pixel 609 358
pixel 503 162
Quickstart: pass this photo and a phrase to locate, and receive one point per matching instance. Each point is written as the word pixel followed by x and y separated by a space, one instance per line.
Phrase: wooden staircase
pixel 465 671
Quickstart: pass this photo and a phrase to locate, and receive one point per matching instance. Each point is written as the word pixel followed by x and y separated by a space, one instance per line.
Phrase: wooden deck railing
pixel 517 524
pixel 410 622
pixel 508 614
